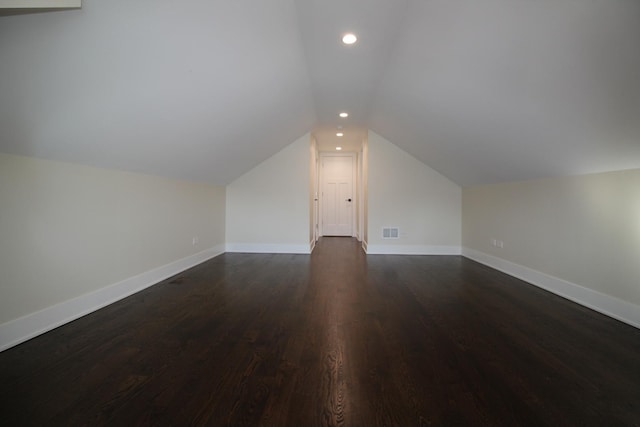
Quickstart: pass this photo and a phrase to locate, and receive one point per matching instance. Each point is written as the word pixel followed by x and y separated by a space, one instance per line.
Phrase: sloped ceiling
pixel 482 91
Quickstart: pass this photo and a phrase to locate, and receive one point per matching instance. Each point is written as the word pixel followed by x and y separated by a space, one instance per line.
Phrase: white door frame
pixel 354 194
pixel 316 201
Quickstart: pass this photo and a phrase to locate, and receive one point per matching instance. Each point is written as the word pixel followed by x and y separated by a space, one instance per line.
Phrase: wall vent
pixel 390 233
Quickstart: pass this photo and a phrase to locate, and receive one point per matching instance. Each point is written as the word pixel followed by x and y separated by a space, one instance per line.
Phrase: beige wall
pixel 582 229
pixel 268 207
pixel 67 230
pixel 404 192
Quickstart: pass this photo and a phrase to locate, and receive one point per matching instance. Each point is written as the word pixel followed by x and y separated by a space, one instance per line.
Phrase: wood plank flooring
pixel 337 338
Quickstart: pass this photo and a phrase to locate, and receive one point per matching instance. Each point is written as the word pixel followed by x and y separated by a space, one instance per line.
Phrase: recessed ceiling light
pixel 349 38
pixel 339 134
pixel 338 148
pixel 344 115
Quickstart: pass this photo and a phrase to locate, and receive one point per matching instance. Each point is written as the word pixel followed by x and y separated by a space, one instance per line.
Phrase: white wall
pixel 359 196
pixel 404 192
pixel 576 236
pixel 76 237
pixel 268 207
pixel 40 4
pixel 365 193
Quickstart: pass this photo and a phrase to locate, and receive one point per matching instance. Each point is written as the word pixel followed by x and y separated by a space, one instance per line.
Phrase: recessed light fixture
pixel 339 134
pixel 349 38
pixel 338 148
pixel 344 115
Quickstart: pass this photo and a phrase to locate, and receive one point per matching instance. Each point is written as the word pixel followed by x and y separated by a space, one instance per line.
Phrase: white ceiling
pixel 482 91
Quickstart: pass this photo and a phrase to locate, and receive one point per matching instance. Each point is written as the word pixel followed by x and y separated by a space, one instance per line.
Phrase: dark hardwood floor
pixel 337 338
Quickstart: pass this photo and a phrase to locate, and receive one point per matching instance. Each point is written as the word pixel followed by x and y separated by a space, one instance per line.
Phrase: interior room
pixel 340 193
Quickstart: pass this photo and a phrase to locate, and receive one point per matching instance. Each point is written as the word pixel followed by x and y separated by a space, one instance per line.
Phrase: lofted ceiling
pixel 480 90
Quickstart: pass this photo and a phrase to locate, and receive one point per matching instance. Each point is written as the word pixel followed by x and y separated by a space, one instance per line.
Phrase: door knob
pixel 348 200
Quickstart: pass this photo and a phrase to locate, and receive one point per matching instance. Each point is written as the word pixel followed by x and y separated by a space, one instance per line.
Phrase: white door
pixel 337 202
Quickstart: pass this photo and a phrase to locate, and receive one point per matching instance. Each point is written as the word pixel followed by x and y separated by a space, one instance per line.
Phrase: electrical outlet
pixel 497 243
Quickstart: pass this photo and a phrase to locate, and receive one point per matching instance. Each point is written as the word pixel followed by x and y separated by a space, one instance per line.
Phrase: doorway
pixel 337 194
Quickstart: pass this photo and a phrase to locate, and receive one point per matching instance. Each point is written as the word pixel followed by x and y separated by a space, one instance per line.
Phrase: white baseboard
pixel 24 328
pixel 611 306
pixel 312 245
pixel 365 246
pixel 267 248
pixel 412 250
